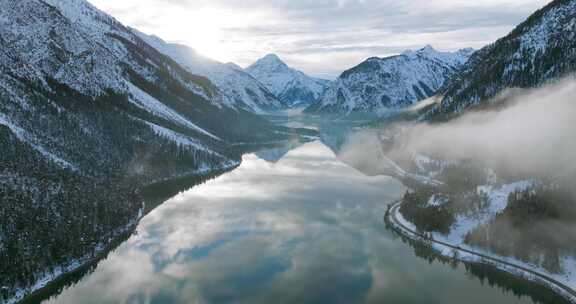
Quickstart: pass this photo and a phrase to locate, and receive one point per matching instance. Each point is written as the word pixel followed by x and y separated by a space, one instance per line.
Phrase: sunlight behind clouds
pixel 203 29
pixel 323 38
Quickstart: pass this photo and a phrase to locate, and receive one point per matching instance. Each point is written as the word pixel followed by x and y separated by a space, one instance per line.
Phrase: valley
pixel 135 169
pixel 279 241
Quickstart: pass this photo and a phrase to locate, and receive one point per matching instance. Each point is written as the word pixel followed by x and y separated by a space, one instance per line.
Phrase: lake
pixel 290 225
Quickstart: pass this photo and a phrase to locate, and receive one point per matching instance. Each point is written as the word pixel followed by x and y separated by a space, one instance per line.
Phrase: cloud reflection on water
pixel 306 229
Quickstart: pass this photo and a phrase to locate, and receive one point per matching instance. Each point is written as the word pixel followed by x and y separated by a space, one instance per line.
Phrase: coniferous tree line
pixel 487 274
pixel 426 218
pixel 52 213
pixel 457 195
pixel 538 226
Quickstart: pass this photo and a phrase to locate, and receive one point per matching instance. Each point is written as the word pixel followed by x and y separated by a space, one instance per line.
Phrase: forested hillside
pixel 540 50
pixel 90 113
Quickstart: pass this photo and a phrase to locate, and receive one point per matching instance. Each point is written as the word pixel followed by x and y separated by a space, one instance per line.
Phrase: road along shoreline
pixel 469 256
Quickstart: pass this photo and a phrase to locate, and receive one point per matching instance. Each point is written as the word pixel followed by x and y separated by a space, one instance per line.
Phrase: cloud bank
pixel 534 136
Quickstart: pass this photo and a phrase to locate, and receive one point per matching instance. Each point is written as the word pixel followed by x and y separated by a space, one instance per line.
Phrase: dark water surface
pixel 295 227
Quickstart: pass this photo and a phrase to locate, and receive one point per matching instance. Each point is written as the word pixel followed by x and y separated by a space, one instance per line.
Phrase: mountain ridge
pixel 89 114
pixel 539 50
pixel 240 89
pixel 391 82
pixel 294 88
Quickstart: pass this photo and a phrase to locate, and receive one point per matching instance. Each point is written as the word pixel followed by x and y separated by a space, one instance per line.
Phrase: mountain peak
pixel 271 57
pixel 233 66
pixel 427 48
pixel 466 51
pixel 270 60
pixel 291 86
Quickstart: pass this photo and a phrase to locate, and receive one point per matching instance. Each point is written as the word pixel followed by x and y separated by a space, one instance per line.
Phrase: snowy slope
pixel 392 82
pixel 239 88
pixel 291 86
pixel 90 113
pixel 75 38
pixel 46 44
pixel 540 50
pixel 73 44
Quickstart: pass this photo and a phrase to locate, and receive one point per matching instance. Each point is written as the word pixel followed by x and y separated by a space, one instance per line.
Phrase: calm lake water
pixel 293 226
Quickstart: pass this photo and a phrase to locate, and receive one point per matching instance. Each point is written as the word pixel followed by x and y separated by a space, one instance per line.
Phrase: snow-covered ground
pixel 436 201
pixel 181 139
pixel 428 180
pixel 153 106
pixel 497 202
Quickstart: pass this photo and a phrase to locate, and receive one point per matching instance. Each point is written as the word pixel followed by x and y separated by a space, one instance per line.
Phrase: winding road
pixel 564 290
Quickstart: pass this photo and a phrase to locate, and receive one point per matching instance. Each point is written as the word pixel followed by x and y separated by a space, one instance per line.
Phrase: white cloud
pixel 324 36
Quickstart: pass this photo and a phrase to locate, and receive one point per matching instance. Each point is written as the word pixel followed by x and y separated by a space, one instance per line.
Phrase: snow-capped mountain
pixel 76 38
pixel 238 87
pixel 540 50
pixel 71 43
pixel 291 86
pixel 89 113
pixel 392 82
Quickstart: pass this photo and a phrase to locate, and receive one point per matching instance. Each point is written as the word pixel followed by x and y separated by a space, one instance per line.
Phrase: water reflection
pixel 306 229
pixel 486 274
pixel 273 155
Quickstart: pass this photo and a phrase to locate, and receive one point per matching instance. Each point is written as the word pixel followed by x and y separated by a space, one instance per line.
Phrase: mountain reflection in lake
pixel 303 229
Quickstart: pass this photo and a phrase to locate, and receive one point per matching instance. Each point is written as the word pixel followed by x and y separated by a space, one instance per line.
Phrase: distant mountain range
pixel 392 82
pixel 239 88
pixel 292 87
pixel 540 50
pixel 267 85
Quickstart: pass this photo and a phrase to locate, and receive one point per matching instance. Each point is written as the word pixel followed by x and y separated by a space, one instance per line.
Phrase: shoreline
pixel 22 295
pixel 469 256
pixel 102 250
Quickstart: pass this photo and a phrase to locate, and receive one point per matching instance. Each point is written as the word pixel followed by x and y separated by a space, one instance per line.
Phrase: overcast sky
pixel 321 37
